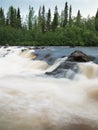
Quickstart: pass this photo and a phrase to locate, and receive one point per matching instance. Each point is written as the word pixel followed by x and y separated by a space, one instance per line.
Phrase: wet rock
pixel 70 67
pixel 23 50
pixel 78 56
pixel 31 48
pixel 66 69
pixel 47 57
pixel 92 58
pixel 67 65
pixel 39 47
pixel 6 46
pixel 8 50
pixel 96 60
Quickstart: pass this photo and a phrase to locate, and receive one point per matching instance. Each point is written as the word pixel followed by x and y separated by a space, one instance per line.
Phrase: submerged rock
pixel 78 56
pixel 47 57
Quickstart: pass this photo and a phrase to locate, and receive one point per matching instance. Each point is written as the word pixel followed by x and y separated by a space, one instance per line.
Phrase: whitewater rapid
pixel 32 100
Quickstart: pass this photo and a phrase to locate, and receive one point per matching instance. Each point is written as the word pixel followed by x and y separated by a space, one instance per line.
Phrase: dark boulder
pixel 78 56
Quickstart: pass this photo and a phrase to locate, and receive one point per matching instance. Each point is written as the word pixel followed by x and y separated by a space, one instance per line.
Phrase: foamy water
pixel 31 100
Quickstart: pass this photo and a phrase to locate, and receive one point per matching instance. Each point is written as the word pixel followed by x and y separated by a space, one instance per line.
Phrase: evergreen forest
pixel 48 28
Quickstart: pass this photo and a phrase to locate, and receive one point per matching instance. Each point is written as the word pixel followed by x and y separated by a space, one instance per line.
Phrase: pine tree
pixel 65 15
pixel 30 18
pixel 49 20
pixel 39 20
pixel 35 23
pixel 18 19
pixel 55 19
pixel 70 15
pixel 78 18
pixel 2 17
pixel 62 18
pixel 43 20
pixel 11 17
pixel 96 21
pixel 7 21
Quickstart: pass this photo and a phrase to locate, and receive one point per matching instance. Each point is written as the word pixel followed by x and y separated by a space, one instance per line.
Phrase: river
pixel 32 100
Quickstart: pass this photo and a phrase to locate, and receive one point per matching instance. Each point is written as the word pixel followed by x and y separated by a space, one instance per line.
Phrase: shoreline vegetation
pixel 44 30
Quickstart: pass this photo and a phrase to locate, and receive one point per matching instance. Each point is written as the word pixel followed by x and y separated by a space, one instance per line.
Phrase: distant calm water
pixel 63 50
pixel 57 52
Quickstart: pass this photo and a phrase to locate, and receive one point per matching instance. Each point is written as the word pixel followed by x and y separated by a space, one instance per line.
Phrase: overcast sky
pixel 87 7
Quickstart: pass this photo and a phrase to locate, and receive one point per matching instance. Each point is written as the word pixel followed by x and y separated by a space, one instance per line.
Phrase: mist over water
pixel 32 100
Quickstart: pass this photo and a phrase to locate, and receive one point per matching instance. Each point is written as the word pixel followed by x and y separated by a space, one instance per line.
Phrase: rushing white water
pixel 29 100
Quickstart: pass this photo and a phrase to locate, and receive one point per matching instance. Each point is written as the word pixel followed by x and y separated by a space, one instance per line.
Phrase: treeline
pixel 43 29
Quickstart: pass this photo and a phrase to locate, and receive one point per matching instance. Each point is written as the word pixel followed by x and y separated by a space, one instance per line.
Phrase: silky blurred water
pixel 32 100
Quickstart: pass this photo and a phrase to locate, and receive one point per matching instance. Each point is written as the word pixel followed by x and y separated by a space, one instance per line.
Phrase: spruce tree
pixel 65 15
pixel 96 21
pixel 49 20
pixel 78 18
pixel 43 19
pixel 55 19
pixel 2 17
pixel 11 17
pixel 18 19
pixel 35 23
pixel 30 18
pixel 39 20
pixel 70 15
pixel 62 18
